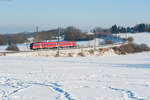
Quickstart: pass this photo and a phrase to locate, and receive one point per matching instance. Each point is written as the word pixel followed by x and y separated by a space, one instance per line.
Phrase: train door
pixel 40 45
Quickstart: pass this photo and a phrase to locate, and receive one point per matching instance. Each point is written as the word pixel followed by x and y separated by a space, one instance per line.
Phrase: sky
pixel 25 15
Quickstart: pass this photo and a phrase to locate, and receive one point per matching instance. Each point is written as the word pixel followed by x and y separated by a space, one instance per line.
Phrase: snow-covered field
pixel 83 78
pixel 138 37
pixel 116 77
pixel 91 43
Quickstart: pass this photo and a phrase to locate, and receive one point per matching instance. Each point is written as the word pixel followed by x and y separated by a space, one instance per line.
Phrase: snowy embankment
pixel 83 78
pixel 81 52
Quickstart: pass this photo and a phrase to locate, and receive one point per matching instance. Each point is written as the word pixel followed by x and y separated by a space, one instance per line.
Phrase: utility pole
pixel 95 40
pixel 37 29
pixel 58 42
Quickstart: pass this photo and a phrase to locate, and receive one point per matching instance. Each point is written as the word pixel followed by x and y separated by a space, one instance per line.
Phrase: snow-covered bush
pixel 145 47
pixel 109 42
pixel 131 48
pixel 81 54
pixel 70 54
pixel 130 39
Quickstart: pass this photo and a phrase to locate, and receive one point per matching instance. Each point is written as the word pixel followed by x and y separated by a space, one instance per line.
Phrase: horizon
pixel 24 16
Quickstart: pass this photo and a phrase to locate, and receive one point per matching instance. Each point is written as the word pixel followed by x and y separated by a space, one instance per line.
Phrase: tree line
pixel 69 34
pixel 136 29
pixel 13 39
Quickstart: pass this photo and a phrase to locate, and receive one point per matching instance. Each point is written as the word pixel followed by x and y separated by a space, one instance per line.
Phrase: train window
pixel 65 43
pixel 52 44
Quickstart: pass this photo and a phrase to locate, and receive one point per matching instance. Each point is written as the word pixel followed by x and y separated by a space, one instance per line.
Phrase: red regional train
pixel 52 45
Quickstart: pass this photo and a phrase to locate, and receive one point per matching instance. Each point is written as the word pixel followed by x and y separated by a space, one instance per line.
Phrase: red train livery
pixel 51 45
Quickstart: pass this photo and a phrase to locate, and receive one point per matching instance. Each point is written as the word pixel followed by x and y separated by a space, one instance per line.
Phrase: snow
pixel 3 48
pixel 91 43
pixel 81 78
pixel 138 37
pixel 22 47
pixel 109 77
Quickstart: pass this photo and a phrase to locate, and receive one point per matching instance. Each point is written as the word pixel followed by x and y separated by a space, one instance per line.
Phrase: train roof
pixel 53 41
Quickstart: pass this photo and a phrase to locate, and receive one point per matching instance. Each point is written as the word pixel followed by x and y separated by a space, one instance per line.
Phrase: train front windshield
pixel 31 46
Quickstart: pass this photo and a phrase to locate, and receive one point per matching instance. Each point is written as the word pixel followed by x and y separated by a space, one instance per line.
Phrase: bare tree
pixel 3 40
pixel 72 33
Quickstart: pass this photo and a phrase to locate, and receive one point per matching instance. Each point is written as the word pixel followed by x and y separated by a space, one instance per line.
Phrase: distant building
pixel 90 33
pixel 30 39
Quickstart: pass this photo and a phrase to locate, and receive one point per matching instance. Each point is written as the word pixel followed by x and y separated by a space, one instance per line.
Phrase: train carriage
pixel 52 45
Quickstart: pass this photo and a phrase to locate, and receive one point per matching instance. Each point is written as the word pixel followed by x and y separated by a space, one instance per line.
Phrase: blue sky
pixel 25 15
